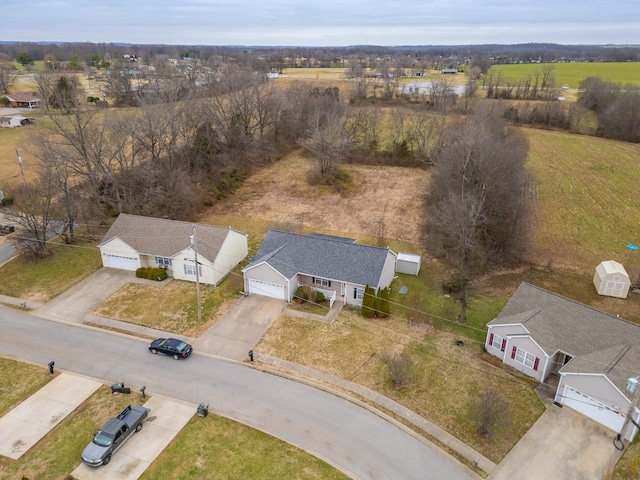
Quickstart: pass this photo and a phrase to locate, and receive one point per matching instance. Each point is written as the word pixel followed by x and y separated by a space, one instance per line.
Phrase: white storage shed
pixel 611 279
pixel 408 263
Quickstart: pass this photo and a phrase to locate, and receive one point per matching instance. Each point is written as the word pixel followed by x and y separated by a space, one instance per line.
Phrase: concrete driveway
pixel 561 444
pixel 74 304
pixel 23 426
pixel 241 328
pixel 166 419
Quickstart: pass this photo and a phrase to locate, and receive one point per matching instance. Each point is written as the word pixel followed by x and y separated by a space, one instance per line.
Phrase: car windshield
pixel 103 439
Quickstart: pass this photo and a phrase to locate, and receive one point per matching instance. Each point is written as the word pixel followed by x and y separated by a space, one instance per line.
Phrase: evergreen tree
pixel 368 302
pixel 383 307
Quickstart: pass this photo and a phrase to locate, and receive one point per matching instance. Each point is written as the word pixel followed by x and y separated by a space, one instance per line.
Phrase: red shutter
pixel 513 352
pixel 535 364
pixel 504 344
pixel 491 339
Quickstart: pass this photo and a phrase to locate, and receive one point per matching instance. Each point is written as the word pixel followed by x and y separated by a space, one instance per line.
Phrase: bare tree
pixel 364 125
pixel 478 201
pixel 8 75
pixel 327 138
pixel 32 209
pixel 489 412
pixel 401 368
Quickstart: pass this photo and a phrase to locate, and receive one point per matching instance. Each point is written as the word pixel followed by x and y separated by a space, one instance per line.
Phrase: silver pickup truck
pixel 113 435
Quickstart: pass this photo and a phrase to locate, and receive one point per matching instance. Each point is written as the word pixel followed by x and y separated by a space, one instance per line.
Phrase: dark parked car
pixel 171 346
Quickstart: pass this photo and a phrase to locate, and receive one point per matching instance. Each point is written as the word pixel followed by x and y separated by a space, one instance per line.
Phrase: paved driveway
pixel 165 420
pixel 561 444
pixel 241 328
pixel 74 304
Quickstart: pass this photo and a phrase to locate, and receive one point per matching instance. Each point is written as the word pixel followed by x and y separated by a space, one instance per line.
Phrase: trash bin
pixel 203 409
pixel 118 388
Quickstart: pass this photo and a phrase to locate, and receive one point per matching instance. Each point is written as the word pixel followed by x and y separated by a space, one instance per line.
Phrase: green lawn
pixel 572 74
pixel 41 280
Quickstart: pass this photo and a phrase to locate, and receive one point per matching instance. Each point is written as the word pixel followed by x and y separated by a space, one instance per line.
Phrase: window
pixel 163 261
pixel 322 281
pixel 496 341
pixel 525 358
pixel 191 269
pixel 358 293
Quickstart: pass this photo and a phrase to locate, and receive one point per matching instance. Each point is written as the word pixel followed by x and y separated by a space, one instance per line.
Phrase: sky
pixel 323 22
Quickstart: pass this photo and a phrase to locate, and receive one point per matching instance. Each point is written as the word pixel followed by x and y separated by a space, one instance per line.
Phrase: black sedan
pixel 171 346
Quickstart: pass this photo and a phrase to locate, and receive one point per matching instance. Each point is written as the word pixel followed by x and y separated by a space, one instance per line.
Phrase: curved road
pixel 349 437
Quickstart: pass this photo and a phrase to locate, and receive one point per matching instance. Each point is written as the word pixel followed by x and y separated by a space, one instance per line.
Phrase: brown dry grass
pixel 386 200
pixel 448 377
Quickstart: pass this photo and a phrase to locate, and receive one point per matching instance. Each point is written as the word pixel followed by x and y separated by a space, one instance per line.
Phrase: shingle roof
pixel 165 238
pixel 598 341
pixel 24 97
pixel 322 256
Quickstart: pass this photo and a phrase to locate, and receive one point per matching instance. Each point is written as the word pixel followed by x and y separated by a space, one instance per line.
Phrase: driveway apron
pixel 241 328
pixel 78 301
pixel 561 444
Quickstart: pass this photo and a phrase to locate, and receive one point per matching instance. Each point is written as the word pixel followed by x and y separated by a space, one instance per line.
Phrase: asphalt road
pixel 349 437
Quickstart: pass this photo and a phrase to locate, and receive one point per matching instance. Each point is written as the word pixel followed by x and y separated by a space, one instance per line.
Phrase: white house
pixel 134 241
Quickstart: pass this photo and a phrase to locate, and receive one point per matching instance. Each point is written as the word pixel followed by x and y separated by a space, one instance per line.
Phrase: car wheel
pixel 154 351
pixel 176 357
pixel 139 427
pixel 106 460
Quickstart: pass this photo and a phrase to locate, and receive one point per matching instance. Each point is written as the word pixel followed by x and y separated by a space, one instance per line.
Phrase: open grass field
pixel 572 74
pixel 588 202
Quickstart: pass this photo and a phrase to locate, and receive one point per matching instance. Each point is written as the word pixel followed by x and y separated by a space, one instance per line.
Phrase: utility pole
pixel 194 242
pixel 21 171
pixel 632 387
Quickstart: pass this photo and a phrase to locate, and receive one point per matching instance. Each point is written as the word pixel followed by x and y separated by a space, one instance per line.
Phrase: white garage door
pixel 593 409
pixel 123 263
pixel 266 289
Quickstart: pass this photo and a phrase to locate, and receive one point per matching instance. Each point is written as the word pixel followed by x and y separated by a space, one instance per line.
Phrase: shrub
pixel 401 368
pixel 368 302
pixel 157 274
pixel 4 101
pixel 383 307
pixel 319 297
pixel 302 292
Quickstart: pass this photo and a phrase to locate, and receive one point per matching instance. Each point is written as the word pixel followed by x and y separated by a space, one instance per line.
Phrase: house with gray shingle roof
pixel 337 266
pixel 134 241
pixel 593 353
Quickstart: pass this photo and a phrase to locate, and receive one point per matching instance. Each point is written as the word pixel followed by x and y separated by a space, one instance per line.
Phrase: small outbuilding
pixel 611 279
pixel 408 263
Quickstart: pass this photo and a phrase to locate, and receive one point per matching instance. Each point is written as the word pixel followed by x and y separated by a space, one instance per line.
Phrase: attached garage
pixel 123 263
pixel 267 289
pixel 593 409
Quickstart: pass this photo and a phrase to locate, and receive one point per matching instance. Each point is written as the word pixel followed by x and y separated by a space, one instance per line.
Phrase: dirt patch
pixel 386 202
